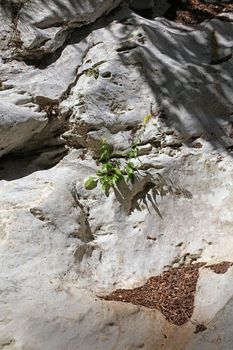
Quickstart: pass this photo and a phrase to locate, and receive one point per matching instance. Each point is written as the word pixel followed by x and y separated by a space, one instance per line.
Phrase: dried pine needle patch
pixel 172 293
pixel 220 268
pixel 197 11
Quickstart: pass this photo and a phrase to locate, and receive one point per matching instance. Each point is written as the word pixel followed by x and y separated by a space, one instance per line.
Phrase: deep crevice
pixel 43 151
pixel 17 165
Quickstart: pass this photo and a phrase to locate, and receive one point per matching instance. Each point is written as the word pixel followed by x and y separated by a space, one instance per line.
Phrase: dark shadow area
pixel 147 196
pixel 74 37
pixel 71 16
pixel 43 151
pixel 14 166
pixel 192 91
pixel 146 13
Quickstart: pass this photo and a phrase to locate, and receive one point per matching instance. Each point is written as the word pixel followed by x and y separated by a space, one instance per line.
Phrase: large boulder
pixel 64 249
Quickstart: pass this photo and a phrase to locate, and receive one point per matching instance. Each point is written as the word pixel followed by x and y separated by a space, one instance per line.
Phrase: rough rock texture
pixel 27 92
pixel 61 246
pixel 42 27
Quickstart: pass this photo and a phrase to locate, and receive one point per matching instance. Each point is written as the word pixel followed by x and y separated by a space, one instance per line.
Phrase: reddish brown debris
pixel 195 11
pixel 220 268
pixel 172 293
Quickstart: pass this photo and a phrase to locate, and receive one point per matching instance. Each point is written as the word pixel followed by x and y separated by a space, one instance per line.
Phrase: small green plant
pixel 111 172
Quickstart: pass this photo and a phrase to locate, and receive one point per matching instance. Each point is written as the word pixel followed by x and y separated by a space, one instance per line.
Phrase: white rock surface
pixel 35 88
pixel 43 27
pixel 219 333
pixel 36 257
pixel 60 245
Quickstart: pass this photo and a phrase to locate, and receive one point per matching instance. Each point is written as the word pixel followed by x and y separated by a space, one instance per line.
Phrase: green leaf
pixel 91 183
pixel 133 153
pixel 118 171
pixel 104 152
pixel 131 165
pixel 106 187
pixel 129 168
pixel 131 177
pixel 104 180
pixel 117 178
pixel 99 173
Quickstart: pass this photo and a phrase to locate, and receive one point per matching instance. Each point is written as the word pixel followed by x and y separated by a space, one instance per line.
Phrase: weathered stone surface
pixel 32 88
pixel 219 330
pixel 60 245
pixel 44 28
pixel 17 120
pixel 40 253
pixel 6 30
pixel 127 95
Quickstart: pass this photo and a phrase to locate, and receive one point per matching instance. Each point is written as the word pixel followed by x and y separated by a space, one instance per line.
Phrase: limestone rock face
pixel 73 81
pixel 43 27
pixel 32 30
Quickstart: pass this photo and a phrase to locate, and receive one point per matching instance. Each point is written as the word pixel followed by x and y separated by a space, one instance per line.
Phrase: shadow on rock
pixel 145 193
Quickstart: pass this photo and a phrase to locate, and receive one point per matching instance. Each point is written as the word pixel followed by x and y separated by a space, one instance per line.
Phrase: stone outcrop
pixel 79 73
